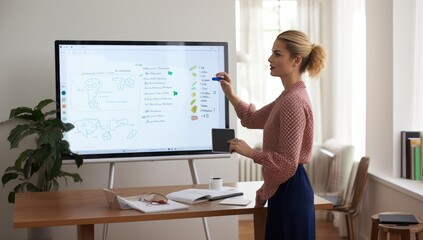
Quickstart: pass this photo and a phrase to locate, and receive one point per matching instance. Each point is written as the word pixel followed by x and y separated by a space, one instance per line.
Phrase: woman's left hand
pixel 241 147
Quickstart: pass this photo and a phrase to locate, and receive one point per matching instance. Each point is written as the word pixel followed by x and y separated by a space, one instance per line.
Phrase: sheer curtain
pixel 251 63
pixel 309 15
pixel 251 60
pixel 348 73
pixel 339 96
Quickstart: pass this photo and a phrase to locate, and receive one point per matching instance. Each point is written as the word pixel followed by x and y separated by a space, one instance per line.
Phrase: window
pixel 276 16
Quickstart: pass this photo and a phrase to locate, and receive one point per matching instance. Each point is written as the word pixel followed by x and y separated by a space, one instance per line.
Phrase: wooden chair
pixel 396 232
pixel 331 171
pixel 353 196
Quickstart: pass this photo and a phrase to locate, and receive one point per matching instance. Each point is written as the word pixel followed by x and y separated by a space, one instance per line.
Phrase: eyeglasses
pixel 153 198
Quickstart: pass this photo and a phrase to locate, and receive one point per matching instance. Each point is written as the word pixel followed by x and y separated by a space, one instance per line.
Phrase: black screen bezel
pixel 139 155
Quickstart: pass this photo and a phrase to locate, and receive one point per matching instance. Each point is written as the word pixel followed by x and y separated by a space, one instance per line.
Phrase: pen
pixel 218 78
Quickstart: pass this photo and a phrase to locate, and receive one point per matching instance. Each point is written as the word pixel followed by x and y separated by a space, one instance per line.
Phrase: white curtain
pixel 417 66
pixel 348 78
pixel 309 15
pixel 348 73
pixel 339 96
pixel 251 60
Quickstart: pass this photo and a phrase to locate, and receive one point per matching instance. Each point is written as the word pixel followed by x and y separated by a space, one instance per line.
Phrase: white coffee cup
pixel 216 183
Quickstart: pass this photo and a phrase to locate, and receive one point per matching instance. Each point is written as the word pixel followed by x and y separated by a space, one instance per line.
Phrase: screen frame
pixel 139 156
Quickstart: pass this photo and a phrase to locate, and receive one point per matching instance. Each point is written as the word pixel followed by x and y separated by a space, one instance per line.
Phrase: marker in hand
pixel 218 78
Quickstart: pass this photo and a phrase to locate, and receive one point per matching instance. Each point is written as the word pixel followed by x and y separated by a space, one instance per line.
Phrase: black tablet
pixel 220 138
pixel 400 219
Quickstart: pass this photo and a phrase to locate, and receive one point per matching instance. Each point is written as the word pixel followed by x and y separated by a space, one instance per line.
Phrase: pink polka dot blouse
pixel 287 125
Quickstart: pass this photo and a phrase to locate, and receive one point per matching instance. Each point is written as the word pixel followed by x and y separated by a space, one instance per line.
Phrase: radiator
pixel 248 170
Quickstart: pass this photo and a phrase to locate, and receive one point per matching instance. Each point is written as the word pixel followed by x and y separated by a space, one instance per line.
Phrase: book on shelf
pixel 406 152
pixel 135 202
pixel 414 143
pixel 195 195
pixel 417 163
pixel 421 155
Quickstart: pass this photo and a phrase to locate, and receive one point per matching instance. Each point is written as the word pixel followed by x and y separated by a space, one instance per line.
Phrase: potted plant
pixel 38 169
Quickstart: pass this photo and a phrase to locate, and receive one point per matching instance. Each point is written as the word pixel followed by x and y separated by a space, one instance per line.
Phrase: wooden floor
pixel 324 230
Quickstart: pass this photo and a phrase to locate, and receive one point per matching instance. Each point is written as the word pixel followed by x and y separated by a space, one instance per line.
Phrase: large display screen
pixel 140 99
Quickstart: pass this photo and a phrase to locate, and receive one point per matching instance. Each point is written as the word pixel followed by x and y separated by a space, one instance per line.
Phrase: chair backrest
pixel 342 162
pixel 359 184
pixel 348 192
pixel 323 170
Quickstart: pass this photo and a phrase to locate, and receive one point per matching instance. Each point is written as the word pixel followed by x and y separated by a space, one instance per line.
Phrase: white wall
pixel 389 72
pixel 28 30
pixel 379 112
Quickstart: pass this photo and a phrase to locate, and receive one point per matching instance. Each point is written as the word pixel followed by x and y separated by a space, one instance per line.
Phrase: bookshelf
pixel 411 188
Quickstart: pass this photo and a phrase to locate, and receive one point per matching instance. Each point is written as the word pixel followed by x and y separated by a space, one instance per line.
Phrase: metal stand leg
pixel 110 185
pixel 194 177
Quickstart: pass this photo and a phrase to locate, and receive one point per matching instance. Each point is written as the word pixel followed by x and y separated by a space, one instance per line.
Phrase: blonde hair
pixel 313 55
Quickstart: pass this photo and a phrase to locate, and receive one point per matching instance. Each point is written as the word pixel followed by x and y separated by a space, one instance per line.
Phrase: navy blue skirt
pixel 290 212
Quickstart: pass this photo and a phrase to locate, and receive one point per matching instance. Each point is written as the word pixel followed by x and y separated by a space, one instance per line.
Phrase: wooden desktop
pixel 84 208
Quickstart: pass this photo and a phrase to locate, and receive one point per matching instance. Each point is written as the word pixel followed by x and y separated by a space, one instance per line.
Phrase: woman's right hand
pixel 226 84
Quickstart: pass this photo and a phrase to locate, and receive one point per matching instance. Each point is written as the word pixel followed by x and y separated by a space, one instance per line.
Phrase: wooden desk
pixel 84 208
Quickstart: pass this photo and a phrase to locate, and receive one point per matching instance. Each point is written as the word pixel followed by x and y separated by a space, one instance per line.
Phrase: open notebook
pixel 134 202
pixel 194 195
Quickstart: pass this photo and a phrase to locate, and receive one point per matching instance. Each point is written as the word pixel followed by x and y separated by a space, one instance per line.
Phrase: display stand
pixel 109 185
pixel 194 178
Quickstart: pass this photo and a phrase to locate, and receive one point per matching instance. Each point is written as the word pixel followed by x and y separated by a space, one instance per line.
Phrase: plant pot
pixel 41 233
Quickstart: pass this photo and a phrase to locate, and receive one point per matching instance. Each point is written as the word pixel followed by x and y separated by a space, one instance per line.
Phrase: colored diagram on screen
pixel 134 98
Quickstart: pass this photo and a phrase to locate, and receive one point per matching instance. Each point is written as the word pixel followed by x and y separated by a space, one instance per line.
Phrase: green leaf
pixel 38 115
pixel 19 133
pixel 75 176
pixel 78 159
pixel 42 154
pixel 67 127
pixel 51 136
pixel 8 177
pixel 54 122
pixel 11 197
pixel 43 103
pixel 54 169
pixel 64 147
pixel 21 112
pixel 32 188
pixel 52 112
pixel 24 156
pixel 29 168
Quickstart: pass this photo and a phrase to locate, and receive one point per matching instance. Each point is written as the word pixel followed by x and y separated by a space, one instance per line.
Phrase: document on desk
pixel 133 202
pixel 237 201
pixel 194 195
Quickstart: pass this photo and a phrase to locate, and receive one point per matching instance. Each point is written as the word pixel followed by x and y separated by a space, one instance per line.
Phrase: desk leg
pixel 85 232
pixel 259 223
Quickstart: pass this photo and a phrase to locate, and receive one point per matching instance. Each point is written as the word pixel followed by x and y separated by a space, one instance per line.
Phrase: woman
pixel 287 125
